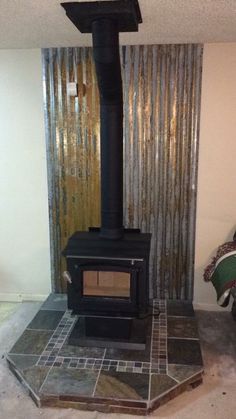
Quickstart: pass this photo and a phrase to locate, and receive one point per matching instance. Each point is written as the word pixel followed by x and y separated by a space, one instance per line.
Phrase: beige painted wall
pixel 24 229
pixel 216 201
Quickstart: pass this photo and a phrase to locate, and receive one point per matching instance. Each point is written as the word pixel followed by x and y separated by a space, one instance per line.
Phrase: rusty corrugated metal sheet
pixel 162 86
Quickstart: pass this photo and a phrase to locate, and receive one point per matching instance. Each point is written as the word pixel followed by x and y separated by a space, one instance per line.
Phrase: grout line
pixel 181 382
pixel 99 373
pixel 41 330
pixel 181 317
pixel 175 379
pixel 44 379
pixel 14 353
pixel 182 338
pixel 187 365
pixel 52 309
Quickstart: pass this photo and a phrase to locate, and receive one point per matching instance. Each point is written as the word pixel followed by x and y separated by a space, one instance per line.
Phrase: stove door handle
pixel 67 277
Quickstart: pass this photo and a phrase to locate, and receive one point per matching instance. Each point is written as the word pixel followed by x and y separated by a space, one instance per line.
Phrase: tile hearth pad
pixel 108 379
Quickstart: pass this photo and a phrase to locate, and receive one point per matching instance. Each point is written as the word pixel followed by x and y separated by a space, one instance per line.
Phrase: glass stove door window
pixel 106 284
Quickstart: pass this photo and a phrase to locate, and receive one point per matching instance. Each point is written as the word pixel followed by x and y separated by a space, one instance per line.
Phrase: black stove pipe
pixel 108 69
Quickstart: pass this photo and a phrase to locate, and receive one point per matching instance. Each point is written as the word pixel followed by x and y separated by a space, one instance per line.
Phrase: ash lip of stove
pixel 107 268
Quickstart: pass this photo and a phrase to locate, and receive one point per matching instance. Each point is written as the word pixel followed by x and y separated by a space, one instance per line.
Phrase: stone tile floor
pixel 109 380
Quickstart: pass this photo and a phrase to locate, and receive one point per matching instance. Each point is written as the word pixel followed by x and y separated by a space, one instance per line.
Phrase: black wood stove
pixel 107 267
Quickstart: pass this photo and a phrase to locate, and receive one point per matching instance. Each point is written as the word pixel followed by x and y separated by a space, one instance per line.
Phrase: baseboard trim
pixel 18 298
pixel 211 307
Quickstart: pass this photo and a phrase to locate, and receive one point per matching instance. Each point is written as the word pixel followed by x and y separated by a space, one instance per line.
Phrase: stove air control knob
pixel 66 276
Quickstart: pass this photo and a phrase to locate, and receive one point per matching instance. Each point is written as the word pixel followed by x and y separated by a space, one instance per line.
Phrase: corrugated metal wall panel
pixel 162 87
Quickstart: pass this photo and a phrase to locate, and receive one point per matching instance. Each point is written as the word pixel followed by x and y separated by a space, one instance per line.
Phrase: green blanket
pixel 221 271
pixel 224 277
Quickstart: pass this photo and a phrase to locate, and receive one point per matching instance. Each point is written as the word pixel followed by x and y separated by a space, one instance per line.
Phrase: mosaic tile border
pixel 158 361
pixel 96 364
pixel 57 339
pixel 159 338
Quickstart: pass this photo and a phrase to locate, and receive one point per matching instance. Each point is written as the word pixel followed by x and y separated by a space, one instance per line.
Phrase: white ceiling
pixel 43 23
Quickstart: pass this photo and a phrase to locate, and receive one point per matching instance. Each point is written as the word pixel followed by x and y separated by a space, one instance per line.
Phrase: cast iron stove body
pixel 107 267
pixel 108 277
